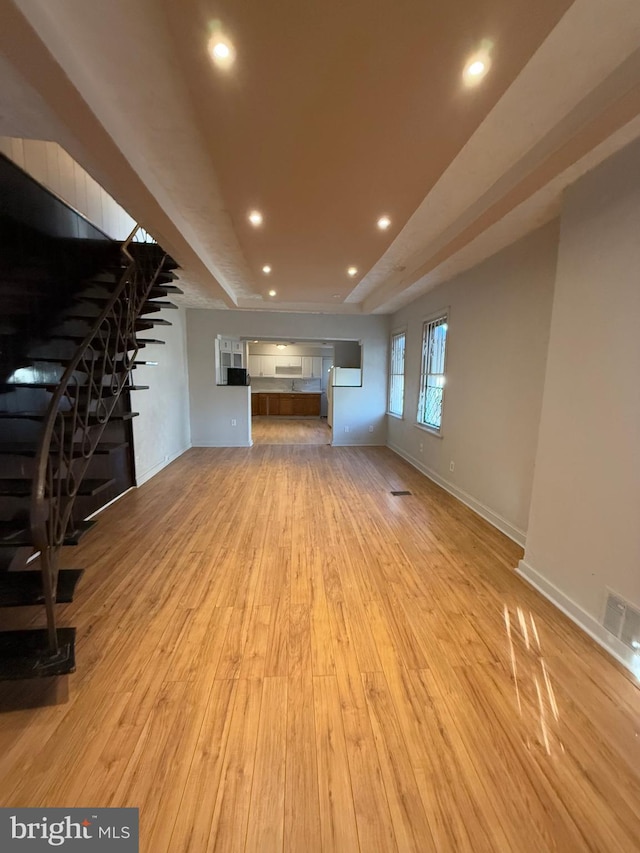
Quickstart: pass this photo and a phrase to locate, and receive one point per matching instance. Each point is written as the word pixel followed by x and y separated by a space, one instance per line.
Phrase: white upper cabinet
pixel 229 352
pixel 255 365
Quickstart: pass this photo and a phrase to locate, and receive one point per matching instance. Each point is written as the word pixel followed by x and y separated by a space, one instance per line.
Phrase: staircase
pixel 71 312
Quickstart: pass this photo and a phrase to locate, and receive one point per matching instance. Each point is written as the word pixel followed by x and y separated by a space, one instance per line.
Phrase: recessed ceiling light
pixel 383 223
pixel 337 295
pixel 352 271
pixel 272 293
pixel 266 269
pixel 476 66
pixel 281 346
pixel 221 50
pixel 255 342
pixel 255 218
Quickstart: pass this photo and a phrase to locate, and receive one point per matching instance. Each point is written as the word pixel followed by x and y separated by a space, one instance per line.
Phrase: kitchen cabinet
pixel 255 365
pixel 229 352
pixel 311 367
pixel 287 405
pixel 262 365
pixel 268 365
pixel 288 365
pixel 292 366
pixel 259 404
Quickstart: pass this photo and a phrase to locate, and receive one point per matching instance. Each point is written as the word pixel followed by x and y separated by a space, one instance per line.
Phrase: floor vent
pixel 622 619
pixel 397 494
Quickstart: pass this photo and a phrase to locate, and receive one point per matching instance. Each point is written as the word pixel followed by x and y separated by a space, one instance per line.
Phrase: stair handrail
pixel 109 345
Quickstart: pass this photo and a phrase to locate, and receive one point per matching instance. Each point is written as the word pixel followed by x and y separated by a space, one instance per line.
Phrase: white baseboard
pixel 581 618
pixel 215 444
pixel 155 469
pixel 112 501
pixel 356 444
pixel 477 506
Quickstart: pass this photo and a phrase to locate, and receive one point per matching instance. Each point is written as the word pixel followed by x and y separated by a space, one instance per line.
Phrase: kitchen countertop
pixel 285 392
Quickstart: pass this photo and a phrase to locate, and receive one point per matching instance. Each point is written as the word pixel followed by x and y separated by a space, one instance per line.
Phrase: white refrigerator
pixel 341 377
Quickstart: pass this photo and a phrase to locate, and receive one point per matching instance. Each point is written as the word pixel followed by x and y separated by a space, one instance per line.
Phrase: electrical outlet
pixel 234 422
pixel 371 428
pixel 420 447
pixel 452 465
pixel 346 429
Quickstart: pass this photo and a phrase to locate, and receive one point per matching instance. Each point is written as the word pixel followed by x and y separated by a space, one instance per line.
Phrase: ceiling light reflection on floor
pixel 534 693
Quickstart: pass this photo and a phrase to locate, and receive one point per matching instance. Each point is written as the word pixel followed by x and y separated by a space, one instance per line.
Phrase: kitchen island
pixel 293 404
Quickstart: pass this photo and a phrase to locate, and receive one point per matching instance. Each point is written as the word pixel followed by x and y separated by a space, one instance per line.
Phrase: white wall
pixel 51 166
pixel 584 532
pixel 213 407
pixel 499 316
pixel 161 432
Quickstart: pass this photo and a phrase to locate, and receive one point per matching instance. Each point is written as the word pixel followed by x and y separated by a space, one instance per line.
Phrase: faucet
pixel 293 384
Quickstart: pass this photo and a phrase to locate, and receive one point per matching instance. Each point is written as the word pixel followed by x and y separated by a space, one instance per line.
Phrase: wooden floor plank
pixel 338 826
pixel 229 824
pixel 194 816
pixel 302 805
pixel 410 823
pixel 266 812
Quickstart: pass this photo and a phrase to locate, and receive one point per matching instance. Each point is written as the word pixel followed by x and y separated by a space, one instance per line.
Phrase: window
pixel 432 377
pixel 396 374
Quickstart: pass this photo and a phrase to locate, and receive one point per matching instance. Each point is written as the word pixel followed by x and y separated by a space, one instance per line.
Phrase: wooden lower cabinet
pixel 259 404
pixel 273 404
pixel 288 405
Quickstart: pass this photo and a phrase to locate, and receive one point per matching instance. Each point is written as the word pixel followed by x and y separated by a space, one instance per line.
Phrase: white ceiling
pixel 329 117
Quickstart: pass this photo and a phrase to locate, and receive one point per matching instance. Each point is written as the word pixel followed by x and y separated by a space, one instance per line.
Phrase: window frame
pixel 430 323
pixel 397 333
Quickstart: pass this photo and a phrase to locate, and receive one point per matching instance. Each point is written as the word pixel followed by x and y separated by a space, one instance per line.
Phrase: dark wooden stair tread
pixel 149 322
pixel 22 589
pixel 25 654
pixel 30 449
pixel 52 386
pixel 20 487
pixel 16 534
pixel 40 416
pixel 80 336
pixel 157 305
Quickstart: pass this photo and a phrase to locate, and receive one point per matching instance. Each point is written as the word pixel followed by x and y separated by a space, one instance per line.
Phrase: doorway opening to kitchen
pixel 289 382
pixel 294 385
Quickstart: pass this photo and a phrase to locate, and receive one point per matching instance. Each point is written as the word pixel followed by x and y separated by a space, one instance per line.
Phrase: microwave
pixel 238 376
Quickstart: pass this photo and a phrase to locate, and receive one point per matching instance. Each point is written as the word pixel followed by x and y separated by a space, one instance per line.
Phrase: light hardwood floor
pixel 280 430
pixel 277 654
